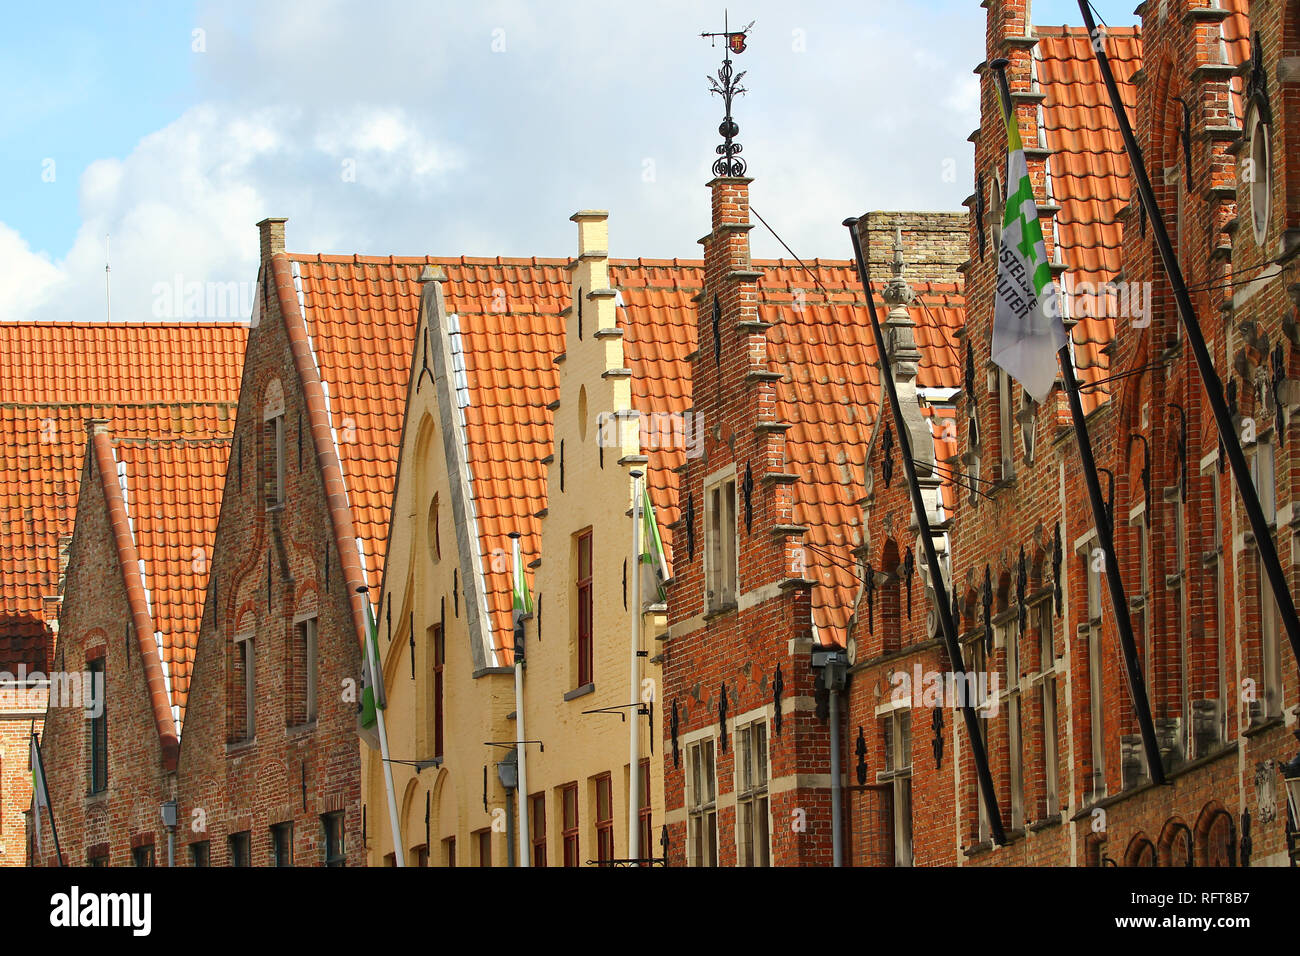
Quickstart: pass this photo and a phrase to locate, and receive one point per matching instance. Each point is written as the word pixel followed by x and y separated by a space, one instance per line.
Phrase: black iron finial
pixel 727 85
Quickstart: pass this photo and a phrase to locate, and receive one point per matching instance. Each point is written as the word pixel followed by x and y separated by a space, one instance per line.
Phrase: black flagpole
pixel 941 601
pixel 1101 521
pixel 1204 364
pixel 40 762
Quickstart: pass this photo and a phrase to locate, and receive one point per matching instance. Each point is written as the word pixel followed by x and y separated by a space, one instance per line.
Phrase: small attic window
pixel 1259 176
pixel 273 443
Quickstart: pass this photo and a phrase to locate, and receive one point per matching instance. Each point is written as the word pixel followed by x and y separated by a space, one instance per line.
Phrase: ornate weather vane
pixel 728 86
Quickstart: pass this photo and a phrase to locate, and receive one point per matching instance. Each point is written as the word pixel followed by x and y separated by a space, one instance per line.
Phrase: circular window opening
pixel 435 541
pixel 997 207
pixel 1260 176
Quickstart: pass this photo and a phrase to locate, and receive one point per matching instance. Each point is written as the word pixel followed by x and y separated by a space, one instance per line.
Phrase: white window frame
pixel 896 729
pixel 275 417
pixel 1210 466
pixel 721 574
pixel 246 645
pixel 311 657
pixel 1007 635
pixel 1265 481
pixel 1096 670
pixel 701 813
pixel 752 795
pixel 1261 183
pixel 1041 614
pixel 1006 425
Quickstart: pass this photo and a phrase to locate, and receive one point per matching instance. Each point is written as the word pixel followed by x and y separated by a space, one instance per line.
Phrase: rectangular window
pixel 142 855
pixel 420 855
pixel 1006 416
pixel 1047 709
pixel 702 804
pixel 97 858
pixel 241 849
pixel 304 672
pixel 439 650
pixel 720 543
pixel 1015 748
pixel 282 844
pixel 273 436
pixel 1220 622
pixel 604 785
pixel 1270 704
pixel 1096 700
pixel 569 801
pixel 334 845
pixel 751 794
pixel 647 848
pixel 243 688
pixel 584 609
pixel 200 853
pixel 98 729
pixel 896 728
pixel 449 851
pixel 537 827
pixel 483 842
pixel 1141 598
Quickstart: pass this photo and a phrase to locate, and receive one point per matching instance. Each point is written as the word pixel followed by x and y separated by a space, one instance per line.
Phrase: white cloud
pixel 181 207
pixel 26 278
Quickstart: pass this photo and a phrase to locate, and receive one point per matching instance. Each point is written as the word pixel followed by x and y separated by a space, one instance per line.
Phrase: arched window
pixel 1141 852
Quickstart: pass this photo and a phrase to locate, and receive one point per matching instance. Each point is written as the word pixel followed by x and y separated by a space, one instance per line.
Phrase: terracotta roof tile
pixel 54 376
pixel 508 312
pixel 172 492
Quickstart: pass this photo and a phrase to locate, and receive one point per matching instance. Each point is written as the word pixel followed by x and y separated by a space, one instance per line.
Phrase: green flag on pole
pixel 522 600
pixel 1027 326
pixel 372 683
pixel 654 564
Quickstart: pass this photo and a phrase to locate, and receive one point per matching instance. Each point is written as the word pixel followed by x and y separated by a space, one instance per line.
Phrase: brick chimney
pixel 271 235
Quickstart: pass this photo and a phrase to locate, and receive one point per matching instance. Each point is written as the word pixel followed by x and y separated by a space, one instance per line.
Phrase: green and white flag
pixel 522 603
pixel 654 564
pixel 372 683
pixel 1027 326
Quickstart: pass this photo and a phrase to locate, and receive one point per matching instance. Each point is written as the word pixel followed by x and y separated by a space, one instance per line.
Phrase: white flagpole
pixel 634 721
pixel 399 851
pixel 521 792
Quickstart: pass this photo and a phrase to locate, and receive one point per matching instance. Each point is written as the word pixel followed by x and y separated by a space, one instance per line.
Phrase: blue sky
pixel 454 128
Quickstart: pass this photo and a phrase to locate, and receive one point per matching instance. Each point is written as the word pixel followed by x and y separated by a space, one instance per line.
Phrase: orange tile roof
pixel 55 376
pixel 172 492
pixel 362 313
pixel 1089 170
pixel 829 393
pixel 1089 167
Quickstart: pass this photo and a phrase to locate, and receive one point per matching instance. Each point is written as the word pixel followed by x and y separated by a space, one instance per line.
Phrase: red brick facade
pixel 1182 541
pixel 273 567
